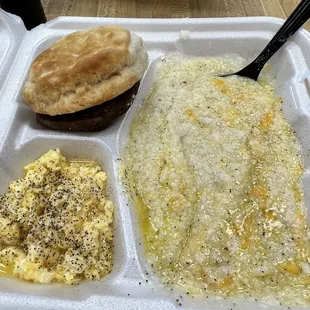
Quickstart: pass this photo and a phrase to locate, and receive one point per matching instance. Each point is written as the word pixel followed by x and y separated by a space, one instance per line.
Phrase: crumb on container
pixel 184 34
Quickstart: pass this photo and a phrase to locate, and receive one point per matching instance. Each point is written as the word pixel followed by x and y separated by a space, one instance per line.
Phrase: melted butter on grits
pixel 56 222
pixel 216 172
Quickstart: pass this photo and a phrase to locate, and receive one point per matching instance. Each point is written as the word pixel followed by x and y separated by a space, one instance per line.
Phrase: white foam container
pixel 131 285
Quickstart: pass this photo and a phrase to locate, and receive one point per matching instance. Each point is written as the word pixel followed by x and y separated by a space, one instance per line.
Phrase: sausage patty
pixel 91 119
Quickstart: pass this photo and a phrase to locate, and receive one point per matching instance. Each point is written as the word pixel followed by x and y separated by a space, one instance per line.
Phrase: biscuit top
pixel 80 54
pixel 84 69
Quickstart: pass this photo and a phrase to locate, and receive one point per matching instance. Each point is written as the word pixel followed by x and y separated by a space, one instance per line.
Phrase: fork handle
pixel 299 16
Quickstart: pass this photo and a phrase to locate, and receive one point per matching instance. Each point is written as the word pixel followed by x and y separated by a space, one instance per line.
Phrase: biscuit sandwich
pixel 86 79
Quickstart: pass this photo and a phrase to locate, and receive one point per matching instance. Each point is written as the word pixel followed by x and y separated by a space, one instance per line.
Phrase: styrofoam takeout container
pixel 131 284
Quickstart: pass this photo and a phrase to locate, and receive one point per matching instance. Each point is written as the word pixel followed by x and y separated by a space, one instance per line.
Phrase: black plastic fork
pixel 299 16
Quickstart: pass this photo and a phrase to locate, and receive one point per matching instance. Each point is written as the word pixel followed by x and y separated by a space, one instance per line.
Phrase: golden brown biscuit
pixel 85 69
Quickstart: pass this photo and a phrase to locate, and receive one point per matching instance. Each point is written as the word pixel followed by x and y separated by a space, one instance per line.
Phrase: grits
pixel 216 174
pixel 56 223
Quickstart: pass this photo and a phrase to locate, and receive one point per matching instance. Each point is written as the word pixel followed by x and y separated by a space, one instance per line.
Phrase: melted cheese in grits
pixel 216 172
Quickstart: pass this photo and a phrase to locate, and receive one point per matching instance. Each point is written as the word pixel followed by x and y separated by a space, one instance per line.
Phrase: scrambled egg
pixel 56 223
pixel 218 187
